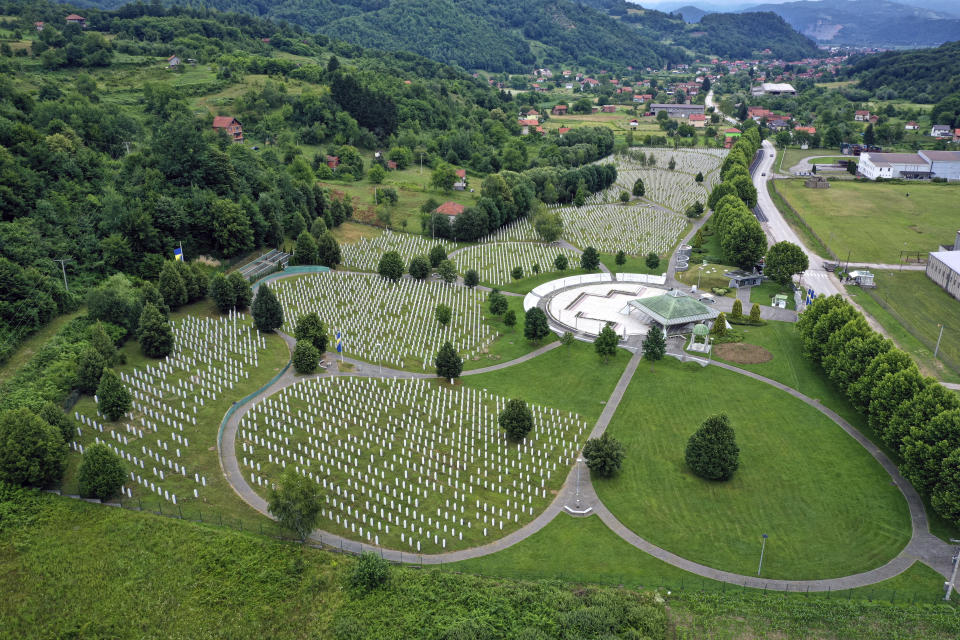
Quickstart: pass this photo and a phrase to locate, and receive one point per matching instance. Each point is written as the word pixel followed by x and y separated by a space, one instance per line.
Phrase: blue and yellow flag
pixel 178 254
pixel 339 343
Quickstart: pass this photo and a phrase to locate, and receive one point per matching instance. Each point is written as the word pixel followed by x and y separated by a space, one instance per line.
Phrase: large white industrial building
pixel 917 166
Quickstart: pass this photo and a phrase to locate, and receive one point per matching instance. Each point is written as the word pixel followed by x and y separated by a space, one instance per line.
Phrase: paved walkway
pixel 923 545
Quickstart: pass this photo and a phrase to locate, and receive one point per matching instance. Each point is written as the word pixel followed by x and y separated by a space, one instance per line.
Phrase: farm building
pixel 944 269
pixel 677 110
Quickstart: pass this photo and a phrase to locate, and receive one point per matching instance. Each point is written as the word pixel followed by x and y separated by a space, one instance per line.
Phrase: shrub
pixel 737 311
pixel 391 266
pixel 567 339
pixel 311 328
pixel 604 455
pixel 510 318
pixel 516 273
pixel 590 259
pixel 306 357
pixel 101 473
pixel 712 451
pixel 154 334
pixel 606 343
pixel 296 503
pixel 242 291
pixel 471 278
pixel 90 368
pixel 222 293
pixel 498 303
pixel 621 258
pixel 443 313
pixel 535 327
pixel 32 452
pixel 755 313
pixel 516 419
pixel 561 262
pixel 653 260
pixel 369 572
pixel 419 267
pixel 624 197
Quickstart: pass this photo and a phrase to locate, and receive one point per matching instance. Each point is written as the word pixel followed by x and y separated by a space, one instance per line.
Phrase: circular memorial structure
pixel 630 305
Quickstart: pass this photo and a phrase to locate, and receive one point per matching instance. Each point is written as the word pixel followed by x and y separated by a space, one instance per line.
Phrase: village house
pixel 563 130
pixel 861 115
pixel 609 108
pixel 75 19
pixel 698 120
pixel 810 130
pixel 38 26
pixel 526 123
pixel 941 131
pixel 461 183
pixel 231 125
pixel 450 209
pixel 173 61
pixel 911 126
pixel 634 123
pixel 333 162
pixel 559 110
pixel 874 119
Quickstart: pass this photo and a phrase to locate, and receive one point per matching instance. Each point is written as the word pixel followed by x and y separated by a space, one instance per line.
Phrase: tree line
pixel 916 416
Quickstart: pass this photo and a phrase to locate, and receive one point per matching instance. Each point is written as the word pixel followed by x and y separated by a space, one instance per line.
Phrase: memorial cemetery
pixel 409 464
pixel 388 323
pixel 675 189
pixel 495 262
pixel 636 229
pixel 366 253
pixel 158 438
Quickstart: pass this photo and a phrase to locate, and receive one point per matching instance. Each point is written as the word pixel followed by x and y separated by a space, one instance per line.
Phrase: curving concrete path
pixel 922 546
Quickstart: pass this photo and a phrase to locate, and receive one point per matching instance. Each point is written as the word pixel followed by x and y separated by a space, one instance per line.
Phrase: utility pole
pixel 763 546
pixel 938 341
pixel 64 270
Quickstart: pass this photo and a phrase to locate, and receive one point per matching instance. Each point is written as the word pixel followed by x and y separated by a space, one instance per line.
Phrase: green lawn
pixel 875 222
pixel 811 241
pixel 569 378
pixel 763 294
pixel 792 155
pixel 525 285
pixel 584 550
pixel 511 344
pixel 920 305
pixel 828 506
pixel 833 159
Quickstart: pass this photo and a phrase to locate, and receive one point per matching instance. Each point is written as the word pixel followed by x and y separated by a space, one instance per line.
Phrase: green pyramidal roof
pixel 674 307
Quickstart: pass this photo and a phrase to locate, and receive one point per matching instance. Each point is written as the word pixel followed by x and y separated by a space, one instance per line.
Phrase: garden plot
pixel 365 254
pixel 634 229
pixel 494 262
pixel 409 464
pixel 389 323
pixel 210 357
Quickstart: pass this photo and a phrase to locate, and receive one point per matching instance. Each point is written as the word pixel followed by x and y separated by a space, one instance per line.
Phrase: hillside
pixel 512 37
pixel 867 23
pixel 924 75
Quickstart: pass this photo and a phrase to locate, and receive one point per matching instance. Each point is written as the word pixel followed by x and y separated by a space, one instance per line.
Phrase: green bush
pixel 112 397
pixel 369 572
pixel 712 451
pixel 604 455
pixel 101 473
pixel 306 357
pixel 516 419
pixel 32 451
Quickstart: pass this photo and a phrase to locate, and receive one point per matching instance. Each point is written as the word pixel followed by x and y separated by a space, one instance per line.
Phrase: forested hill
pixel 514 36
pixel 922 75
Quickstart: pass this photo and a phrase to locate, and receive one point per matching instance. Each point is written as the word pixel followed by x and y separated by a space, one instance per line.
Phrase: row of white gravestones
pixel 392 323
pixel 209 357
pixel 495 262
pixel 365 254
pixel 637 229
pixel 438 464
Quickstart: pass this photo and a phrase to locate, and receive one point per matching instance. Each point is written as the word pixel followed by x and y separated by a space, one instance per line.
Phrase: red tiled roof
pixel 450 209
pixel 532 122
pixel 697 116
pixel 810 130
pixel 461 173
pixel 74 16
pixel 563 129
pixel 222 122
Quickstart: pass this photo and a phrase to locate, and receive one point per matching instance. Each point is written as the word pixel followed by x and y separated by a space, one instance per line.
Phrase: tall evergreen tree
pixel 222 293
pixel 242 291
pixel 112 396
pixel 712 451
pixel 448 362
pixel 267 311
pixel 154 334
pixel 306 249
pixel 172 287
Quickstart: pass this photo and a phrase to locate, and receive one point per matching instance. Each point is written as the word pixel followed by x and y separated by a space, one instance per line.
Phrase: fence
pixel 689 584
pixel 929 344
pixel 242 401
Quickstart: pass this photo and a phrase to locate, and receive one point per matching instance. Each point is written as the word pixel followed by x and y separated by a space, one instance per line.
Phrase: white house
pixel 940 130
pixel 893 165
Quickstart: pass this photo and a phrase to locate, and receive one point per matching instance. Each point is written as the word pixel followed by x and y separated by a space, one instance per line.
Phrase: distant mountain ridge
pixel 876 23
pixel 513 37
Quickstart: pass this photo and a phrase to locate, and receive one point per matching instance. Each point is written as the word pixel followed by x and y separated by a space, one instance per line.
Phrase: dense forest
pixel 107 163
pixel 513 37
pixel 919 75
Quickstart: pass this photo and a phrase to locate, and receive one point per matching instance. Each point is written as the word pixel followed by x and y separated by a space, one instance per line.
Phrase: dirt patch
pixel 742 353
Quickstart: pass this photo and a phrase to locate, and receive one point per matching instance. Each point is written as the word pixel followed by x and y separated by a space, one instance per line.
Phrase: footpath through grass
pixel 569 378
pixel 29 347
pixel 874 222
pixel 827 505
pixel 585 550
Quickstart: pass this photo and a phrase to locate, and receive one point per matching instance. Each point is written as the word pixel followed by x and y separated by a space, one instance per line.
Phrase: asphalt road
pixel 816 277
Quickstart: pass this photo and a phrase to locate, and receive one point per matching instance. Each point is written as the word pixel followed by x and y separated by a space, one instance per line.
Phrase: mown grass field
pixel 569 378
pixel 585 550
pixel 910 341
pixel 875 222
pixel 828 507
pixel 791 368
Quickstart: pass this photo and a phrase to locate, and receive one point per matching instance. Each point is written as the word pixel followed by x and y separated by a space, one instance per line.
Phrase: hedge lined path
pixel 923 545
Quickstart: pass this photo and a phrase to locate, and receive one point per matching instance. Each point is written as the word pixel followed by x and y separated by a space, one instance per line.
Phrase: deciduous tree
pixel 516 419
pixel 296 502
pixel 604 455
pixel 101 473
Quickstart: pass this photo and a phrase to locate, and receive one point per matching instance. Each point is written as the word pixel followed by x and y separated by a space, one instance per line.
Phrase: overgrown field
pixel 72 569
